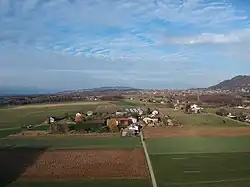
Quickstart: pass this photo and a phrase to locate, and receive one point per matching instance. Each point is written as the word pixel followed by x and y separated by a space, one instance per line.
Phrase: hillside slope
pixel 241 82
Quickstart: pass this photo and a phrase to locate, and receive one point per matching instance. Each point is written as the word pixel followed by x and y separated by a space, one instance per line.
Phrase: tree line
pixel 38 99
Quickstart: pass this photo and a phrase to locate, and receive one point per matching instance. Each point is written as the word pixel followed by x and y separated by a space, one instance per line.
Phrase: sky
pixel 159 44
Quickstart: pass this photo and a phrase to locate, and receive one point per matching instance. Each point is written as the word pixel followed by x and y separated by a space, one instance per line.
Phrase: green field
pixel 11 119
pixel 69 142
pixel 229 109
pixel 200 119
pixel 33 116
pixel 7 132
pixel 201 162
pixel 87 183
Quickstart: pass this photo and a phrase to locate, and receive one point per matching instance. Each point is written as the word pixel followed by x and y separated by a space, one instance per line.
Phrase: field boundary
pixel 150 167
pixel 185 153
pixel 224 117
pixel 208 182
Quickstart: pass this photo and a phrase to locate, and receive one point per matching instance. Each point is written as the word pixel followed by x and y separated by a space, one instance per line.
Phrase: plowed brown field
pixel 88 164
pixel 164 132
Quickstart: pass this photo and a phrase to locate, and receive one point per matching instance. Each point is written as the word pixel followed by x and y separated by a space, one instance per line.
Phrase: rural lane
pixel 150 167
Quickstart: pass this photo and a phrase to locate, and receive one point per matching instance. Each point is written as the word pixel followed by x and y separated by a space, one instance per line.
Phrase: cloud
pixel 74 27
pixel 240 36
pixel 157 40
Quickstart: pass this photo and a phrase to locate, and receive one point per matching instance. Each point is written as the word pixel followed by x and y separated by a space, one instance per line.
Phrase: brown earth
pixel 88 164
pixel 176 132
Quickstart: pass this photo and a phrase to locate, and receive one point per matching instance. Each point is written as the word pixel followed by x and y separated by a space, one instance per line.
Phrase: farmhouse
pixel 78 117
pixel 194 108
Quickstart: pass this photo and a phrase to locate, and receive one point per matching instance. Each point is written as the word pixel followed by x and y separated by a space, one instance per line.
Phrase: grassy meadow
pixel 200 119
pixel 200 162
pixel 37 114
pixel 87 183
pixel 71 142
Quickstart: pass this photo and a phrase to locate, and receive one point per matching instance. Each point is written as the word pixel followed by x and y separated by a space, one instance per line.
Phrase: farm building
pixel 150 120
pixel 89 113
pixel 78 117
pixel 138 111
pixel 118 113
pixel 194 108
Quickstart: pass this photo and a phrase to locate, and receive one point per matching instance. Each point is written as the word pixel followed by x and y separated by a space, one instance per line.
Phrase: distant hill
pixel 241 82
pixel 101 89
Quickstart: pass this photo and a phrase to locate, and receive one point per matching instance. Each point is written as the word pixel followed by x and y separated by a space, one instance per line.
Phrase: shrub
pixel 222 112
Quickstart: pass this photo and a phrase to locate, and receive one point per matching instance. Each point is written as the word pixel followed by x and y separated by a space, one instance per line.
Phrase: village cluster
pixel 127 121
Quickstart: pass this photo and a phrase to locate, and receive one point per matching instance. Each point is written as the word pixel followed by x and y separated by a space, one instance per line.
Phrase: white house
pixel 155 112
pixel 195 108
pixel 150 120
pixel 231 116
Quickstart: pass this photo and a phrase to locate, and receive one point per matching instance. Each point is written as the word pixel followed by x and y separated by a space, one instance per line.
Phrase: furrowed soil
pixel 165 132
pixel 88 164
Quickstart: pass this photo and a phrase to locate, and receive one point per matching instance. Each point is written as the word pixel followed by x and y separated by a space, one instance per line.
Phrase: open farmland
pixel 48 158
pixel 84 103
pixel 37 114
pixel 229 109
pixel 164 132
pixel 84 183
pixel 89 160
pixel 200 161
pixel 88 164
pixel 71 142
pixel 200 119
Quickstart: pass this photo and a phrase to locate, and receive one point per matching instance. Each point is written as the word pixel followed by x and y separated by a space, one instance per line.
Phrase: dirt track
pixel 88 164
pixel 164 132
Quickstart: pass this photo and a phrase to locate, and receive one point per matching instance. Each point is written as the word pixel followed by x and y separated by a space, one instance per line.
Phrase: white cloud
pixel 43 24
pixel 153 36
pixel 240 36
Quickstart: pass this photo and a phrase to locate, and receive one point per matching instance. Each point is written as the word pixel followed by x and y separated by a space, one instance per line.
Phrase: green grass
pixel 126 103
pixel 229 109
pixel 87 183
pixel 4 133
pixel 201 119
pixel 18 117
pixel 202 169
pixel 201 162
pixel 194 145
pixel 68 142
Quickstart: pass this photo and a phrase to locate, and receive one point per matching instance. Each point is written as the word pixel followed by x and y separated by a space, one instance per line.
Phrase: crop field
pixel 78 160
pixel 37 114
pixel 74 160
pixel 7 132
pixel 88 164
pixel 84 183
pixel 81 103
pixel 200 131
pixel 200 161
pixel 71 142
pixel 200 119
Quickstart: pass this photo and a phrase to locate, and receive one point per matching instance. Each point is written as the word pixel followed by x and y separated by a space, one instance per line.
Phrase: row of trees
pixel 240 116
pixel 36 99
